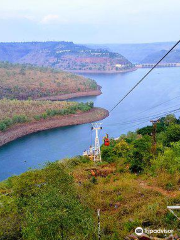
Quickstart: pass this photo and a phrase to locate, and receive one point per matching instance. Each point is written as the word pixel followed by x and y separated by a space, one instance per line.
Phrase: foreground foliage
pixel 43 204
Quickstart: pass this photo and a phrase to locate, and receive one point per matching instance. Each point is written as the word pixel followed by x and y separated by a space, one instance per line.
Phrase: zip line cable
pixel 144 77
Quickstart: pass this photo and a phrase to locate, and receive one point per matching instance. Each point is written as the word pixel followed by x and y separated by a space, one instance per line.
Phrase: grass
pixel 26 81
pixel 125 203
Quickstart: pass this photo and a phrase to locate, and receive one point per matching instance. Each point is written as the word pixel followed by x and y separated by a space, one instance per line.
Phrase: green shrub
pixel 38 117
pixel 3 126
pixel 93 180
pixel 172 134
pixel 169 160
pixel 140 155
pixel 8 122
pixel 19 119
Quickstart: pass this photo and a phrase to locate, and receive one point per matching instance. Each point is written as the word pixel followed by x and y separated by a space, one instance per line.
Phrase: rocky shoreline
pixel 105 72
pixel 20 130
pixel 72 95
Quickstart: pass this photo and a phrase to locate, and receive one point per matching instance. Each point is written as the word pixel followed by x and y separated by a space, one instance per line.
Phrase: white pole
pixel 171 208
pixel 99 225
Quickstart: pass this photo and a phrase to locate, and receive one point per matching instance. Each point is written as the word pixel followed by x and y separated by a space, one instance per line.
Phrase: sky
pixel 90 21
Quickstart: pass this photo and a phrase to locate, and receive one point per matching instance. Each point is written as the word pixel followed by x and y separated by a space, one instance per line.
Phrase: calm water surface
pixel 34 150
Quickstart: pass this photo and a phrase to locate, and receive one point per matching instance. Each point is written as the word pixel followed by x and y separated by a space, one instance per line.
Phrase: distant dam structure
pixel 150 65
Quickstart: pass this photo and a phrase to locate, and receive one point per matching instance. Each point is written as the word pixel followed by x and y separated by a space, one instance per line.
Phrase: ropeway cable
pixel 144 77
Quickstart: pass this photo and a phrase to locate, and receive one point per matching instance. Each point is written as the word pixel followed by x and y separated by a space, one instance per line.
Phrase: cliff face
pixel 64 55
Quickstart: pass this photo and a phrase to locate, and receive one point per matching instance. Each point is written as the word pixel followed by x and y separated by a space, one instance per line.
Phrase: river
pixel 34 150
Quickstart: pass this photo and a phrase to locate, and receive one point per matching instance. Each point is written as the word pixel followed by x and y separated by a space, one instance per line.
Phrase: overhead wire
pixel 153 107
pixel 168 110
pixel 143 77
pixel 147 117
pixel 141 122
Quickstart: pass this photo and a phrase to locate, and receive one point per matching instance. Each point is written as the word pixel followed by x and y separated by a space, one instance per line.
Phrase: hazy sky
pixel 90 21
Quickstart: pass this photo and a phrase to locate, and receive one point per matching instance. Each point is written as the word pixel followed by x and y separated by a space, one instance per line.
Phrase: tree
pixel 122 148
pixel 170 119
pixel 140 155
pixel 172 134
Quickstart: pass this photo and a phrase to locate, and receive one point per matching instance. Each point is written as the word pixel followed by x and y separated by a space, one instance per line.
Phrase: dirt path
pixel 21 130
pixel 158 189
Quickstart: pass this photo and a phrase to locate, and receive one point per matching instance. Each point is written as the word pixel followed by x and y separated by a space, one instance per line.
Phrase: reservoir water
pixel 161 86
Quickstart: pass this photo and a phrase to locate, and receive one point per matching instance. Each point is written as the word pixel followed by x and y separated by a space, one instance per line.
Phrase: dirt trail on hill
pixel 158 189
pixel 17 131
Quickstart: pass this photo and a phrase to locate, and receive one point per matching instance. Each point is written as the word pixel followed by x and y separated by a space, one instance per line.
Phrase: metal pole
pixel 99 226
pixel 154 123
pixel 97 150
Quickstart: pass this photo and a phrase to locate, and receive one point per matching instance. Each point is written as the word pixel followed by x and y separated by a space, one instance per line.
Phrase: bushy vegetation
pixel 27 81
pixel 43 204
pixel 14 111
pixel 8 122
pixel 136 148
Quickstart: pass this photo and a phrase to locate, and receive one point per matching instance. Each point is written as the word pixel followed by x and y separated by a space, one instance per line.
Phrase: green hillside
pixel 132 187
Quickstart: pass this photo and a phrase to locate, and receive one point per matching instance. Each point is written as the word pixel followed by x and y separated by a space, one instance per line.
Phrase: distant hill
pixel 173 57
pixel 28 82
pixel 136 52
pixel 65 56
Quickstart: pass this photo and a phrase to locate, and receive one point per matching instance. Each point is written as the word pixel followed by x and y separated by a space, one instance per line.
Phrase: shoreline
pixel 101 72
pixel 72 95
pixel 22 130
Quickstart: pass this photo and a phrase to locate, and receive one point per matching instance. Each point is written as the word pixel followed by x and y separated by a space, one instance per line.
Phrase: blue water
pixel 34 150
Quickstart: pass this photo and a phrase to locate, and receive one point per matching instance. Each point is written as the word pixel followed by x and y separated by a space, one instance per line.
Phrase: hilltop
pixel 138 51
pixel 31 82
pixel 65 56
pixel 173 57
